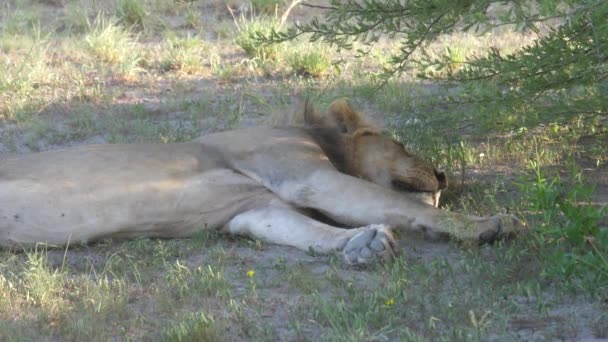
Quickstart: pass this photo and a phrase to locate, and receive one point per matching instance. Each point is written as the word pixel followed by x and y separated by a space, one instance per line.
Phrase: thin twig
pixel 294 3
pixel 233 17
pixel 319 6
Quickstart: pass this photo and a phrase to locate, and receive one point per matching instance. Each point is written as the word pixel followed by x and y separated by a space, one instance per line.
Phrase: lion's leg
pixel 284 226
pixel 354 201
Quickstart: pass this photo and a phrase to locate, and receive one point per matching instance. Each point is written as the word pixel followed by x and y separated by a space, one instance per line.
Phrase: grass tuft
pixel 131 13
pixel 193 327
pixel 43 284
pixel 186 55
pixel 77 19
pixel 192 17
pixel 266 6
pixel 114 45
pixel 311 61
pixel 248 29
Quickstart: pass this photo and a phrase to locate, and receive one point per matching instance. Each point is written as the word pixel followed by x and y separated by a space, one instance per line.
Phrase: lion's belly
pixel 61 209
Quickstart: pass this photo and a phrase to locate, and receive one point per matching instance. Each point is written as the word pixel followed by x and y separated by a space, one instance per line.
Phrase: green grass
pixel 310 61
pixel 115 45
pixel 192 17
pixel 131 13
pixel 247 30
pixel 19 21
pixel 188 55
pixel 158 71
pixel 193 327
pixel 267 6
pixel 575 247
pixel 455 58
pixel 77 18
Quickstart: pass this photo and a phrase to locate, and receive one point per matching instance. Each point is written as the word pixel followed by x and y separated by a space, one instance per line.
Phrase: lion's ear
pixel 345 117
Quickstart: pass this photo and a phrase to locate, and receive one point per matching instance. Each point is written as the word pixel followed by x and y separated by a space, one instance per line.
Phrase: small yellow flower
pixel 389 302
pixel 250 274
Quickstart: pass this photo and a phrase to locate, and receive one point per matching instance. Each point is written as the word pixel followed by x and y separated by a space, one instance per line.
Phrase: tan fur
pixel 368 154
pixel 260 182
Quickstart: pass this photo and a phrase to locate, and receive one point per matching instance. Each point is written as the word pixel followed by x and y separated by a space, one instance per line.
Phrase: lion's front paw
pixel 499 227
pixel 373 241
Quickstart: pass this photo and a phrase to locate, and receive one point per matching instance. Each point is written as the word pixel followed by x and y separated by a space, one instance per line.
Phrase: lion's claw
pixel 373 241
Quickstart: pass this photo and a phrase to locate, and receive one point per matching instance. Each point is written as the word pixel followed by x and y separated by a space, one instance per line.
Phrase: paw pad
pixel 373 241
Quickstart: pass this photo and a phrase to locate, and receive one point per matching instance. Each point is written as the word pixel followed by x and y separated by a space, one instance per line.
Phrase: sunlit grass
pixel 247 29
pixel 188 55
pixel 310 60
pixel 114 45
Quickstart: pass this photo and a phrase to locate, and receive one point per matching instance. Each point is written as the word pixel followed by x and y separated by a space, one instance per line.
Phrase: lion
pixel 334 184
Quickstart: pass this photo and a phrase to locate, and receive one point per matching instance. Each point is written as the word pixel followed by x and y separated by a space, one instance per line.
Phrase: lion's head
pixel 359 148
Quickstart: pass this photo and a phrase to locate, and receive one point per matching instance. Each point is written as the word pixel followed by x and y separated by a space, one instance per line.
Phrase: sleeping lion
pixel 266 183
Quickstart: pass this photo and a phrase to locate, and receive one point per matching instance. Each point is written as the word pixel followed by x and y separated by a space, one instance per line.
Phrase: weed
pixel 266 6
pixel 43 284
pixel 204 281
pixel 312 61
pixel 192 17
pixel 114 45
pixel 77 19
pixel 455 58
pixel 168 7
pixel 600 326
pixel 43 133
pixel 21 79
pixel 210 281
pixel 223 30
pixel 247 31
pixel 225 72
pixel 131 13
pixel 567 227
pixel 20 21
pixel 303 279
pixel 177 278
pixel 97 302
pixel 89 93
pixel 193 327
pixel 186 55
